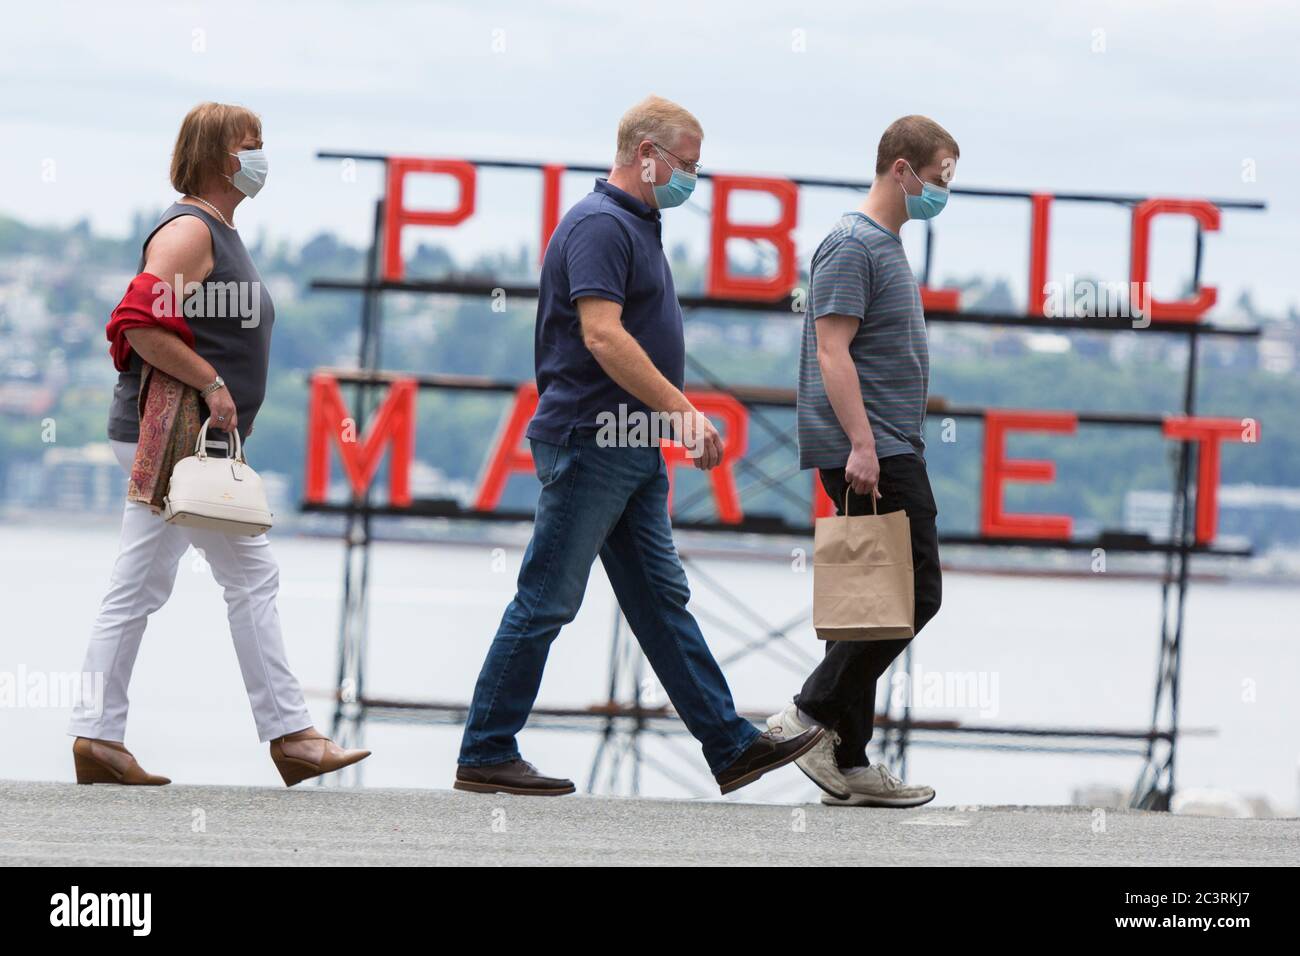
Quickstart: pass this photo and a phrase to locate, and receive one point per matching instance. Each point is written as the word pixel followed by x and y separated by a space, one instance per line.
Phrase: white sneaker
pixel 875 786
pixel 818 764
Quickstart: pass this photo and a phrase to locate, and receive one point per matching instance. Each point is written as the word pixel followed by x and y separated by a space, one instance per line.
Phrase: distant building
pixel 1276 355
pixel 26 398
pixel 1246 511
pixel 1149 513
pixel 69 479
pixel 90 480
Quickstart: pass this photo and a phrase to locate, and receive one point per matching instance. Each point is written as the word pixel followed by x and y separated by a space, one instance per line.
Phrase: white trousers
pixel 143 575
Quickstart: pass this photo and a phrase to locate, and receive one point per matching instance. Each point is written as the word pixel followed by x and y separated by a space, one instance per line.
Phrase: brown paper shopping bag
pixel 862 576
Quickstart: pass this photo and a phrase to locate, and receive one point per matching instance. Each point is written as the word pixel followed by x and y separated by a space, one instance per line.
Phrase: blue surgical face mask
pixel 677 190
pixel 251 175
pixel 927 205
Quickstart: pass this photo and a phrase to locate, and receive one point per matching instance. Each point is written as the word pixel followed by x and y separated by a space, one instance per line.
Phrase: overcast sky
pixel 1155 98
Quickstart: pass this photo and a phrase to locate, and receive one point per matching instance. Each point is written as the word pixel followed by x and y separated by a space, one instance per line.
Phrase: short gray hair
pixel 656 119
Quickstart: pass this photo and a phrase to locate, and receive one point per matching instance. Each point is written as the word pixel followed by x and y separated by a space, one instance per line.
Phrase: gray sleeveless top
pixel 231 319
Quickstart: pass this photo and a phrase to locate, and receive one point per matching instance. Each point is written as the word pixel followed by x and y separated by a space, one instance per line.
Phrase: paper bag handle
pixel 875 509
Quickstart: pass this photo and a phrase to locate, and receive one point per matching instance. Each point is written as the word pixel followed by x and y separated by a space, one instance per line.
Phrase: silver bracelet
pixel 209 389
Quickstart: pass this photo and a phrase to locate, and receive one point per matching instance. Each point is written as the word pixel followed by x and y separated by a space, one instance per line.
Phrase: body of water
pixel 1011 650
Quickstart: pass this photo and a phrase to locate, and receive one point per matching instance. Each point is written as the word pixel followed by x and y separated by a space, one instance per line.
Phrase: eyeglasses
pixel 692 168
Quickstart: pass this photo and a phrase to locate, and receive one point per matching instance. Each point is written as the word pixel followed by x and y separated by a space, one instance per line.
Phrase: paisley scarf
pixel 169 427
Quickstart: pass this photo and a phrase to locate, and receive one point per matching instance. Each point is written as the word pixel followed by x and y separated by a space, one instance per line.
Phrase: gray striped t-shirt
pixel 860 269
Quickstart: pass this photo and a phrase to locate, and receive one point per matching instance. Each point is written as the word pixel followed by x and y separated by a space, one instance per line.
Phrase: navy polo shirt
pixel 610 246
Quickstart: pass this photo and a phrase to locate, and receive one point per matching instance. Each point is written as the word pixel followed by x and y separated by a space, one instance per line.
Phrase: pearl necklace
pixel 214 209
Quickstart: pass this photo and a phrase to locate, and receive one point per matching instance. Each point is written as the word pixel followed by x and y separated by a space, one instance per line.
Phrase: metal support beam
pixel 349 722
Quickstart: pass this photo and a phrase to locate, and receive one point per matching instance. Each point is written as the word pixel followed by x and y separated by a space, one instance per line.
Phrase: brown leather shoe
pixel 514 776
pixel 107 761
pixel 302 763
pixel 766 753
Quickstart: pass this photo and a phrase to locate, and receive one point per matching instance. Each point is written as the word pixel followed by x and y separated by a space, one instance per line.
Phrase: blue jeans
pixel 611 502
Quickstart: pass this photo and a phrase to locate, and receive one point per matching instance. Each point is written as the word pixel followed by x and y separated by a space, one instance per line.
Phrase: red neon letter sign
pixel 1041 204
pixel 551 177
pixel 1190 310
pixel 394 422
pixel 724 409
pixel 721 282
pixel 822 506
pixel 940 300
pixel 396 215
pixel 998 469
pixel 509 455
pixel 1209 432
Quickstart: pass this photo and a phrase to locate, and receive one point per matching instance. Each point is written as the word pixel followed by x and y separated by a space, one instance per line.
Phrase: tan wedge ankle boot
pixel 299 766
pixel 94 764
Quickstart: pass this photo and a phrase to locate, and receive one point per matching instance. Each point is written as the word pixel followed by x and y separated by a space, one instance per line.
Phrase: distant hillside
pixel 57 287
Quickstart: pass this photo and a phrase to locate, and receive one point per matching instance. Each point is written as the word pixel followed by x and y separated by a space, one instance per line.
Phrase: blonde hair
pixel 203 144
pixel 656 119
pixel 915 139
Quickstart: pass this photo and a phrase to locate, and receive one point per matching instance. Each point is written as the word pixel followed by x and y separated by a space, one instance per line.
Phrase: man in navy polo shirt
pixel 609 348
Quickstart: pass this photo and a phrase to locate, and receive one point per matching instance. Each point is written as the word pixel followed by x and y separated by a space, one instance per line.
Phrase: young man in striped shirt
pixel 863 380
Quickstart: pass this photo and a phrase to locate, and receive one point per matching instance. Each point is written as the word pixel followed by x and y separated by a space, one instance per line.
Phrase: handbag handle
pixel 201 444
pixel 875 509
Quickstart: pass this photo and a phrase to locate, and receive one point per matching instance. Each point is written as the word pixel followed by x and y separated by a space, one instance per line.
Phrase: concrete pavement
pixel 66 824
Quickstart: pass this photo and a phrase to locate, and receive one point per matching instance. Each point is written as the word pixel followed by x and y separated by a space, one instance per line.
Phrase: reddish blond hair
pixel 203 144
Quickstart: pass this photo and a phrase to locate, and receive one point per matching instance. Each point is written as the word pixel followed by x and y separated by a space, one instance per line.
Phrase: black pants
pixel 841 692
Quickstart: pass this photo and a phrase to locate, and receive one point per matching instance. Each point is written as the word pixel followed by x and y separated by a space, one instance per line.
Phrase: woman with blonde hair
pixel 193 330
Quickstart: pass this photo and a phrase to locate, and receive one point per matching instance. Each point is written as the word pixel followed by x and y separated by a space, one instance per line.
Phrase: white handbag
pixel 221 494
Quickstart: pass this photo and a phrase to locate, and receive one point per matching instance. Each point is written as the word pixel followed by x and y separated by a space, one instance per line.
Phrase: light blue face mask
pixel 927 205
pixel 251 175
pixel 678 189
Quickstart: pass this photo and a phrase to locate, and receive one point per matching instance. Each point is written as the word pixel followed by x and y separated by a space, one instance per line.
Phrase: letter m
pixel 393 422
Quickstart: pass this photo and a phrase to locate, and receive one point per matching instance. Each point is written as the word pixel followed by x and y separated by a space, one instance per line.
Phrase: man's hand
pixel 863 470
pixel 702 441
pixel 222 407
